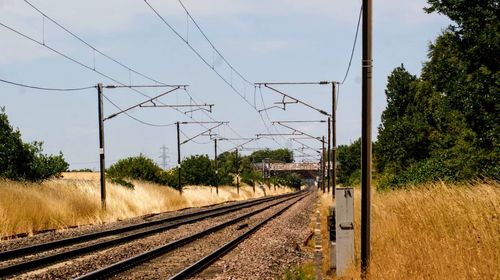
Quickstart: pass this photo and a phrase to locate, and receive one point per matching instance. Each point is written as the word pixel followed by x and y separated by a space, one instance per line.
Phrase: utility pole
pixel 237 172
pixel 366 133
pixel 179 143
pixel 253 175
pixel 102 119
pixel 328 158
pixel 164 156
pixel 334 140
pixel 216 168
pixel 323 163
pixel 179 157
pixel 102 165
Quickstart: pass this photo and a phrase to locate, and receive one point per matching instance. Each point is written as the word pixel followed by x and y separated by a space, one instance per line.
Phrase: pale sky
pixel 265 41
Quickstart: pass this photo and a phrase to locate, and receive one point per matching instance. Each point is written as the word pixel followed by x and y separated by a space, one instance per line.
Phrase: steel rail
pixel 43 261
pixel 160 250
pixel 30 250
pixel 221 251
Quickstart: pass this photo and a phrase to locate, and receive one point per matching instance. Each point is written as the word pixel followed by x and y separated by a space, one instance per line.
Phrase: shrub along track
pixel 45 254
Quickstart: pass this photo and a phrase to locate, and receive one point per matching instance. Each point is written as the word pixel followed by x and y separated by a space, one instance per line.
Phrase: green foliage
pixel 229 166
pixel 226 163
pixel 138 168
pixel 82 170
pixel 349 163
pixel 198 170
pixel 121 181
pixel 291 180
pixel 280 155
pixel 25 161
pixel 304 272
pixel 445 125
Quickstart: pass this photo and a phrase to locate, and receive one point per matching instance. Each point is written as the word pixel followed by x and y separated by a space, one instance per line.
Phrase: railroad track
pixel 185 271
pixel 27 258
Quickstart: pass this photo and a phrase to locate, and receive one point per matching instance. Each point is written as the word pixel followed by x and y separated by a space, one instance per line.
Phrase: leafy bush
pixel 25 161
pixel 445 124
pixel 291 180
pixel 138 168
pixel 197 170
pixel 349 163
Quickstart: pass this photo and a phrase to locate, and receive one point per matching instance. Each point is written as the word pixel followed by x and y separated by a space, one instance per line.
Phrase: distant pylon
pixel 164 156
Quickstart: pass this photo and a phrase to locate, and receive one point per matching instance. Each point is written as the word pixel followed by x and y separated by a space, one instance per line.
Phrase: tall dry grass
pixel 326 201
pixel 436 231
pixel 75 200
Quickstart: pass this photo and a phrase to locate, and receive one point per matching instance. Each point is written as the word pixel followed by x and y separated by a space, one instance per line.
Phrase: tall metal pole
pixel 216 169
pixel 253 176
pixel 334 140
pixel 366 133
pixel 102 165
pixel 328 158
pixel 323 164
pixel 237 173
pixel 179 157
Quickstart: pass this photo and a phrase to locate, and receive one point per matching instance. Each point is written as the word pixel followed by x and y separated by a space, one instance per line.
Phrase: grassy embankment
pixel 75 200
pixel 436 231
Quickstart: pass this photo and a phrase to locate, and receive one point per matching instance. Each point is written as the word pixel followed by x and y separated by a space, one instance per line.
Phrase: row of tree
pixel 444 124
pixel 200 170
pixel 27 162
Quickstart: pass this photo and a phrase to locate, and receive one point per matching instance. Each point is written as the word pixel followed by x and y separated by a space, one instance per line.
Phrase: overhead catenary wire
pixel 353 46
pixel 225 80
pixel 213 47
pixel 91 69
pixel 46 88
pixel 130 69
pixel 134 118
pixel 197 53
pixel 94 49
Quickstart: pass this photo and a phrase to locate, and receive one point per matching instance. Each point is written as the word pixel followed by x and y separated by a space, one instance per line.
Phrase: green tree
pixel 137 168
pixel 464 67
pixel 281 155
pixel 226 168
pixel 198 170
pixel 446 124
pixel 25 161
pixel 405 128
pixel 349 163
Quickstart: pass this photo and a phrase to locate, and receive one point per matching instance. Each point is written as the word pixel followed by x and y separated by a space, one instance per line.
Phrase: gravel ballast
pixel 82 265
pixel 275 248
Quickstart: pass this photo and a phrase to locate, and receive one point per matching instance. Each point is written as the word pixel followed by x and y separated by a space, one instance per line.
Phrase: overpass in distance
pixel 305 169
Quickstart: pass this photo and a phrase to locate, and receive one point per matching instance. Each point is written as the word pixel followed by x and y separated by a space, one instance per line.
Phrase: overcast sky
pixel 265 41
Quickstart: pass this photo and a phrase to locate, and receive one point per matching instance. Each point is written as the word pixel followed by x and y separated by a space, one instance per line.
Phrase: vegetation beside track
pixel 74 201
pixel 436 231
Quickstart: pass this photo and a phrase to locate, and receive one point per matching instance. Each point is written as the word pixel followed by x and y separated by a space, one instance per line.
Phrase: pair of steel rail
pixel 159 225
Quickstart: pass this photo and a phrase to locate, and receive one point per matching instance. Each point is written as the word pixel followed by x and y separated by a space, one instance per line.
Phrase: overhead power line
pixel 214 48
pixel 134 118
pixel 45 88
pixel 45 45
pixel 97 50
pixel 91 46
pixel 229 83
pixel 205 61
pixel 353 46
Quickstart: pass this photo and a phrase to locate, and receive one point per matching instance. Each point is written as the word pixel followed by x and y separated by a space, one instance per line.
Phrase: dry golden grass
pixel 436 231
pixel 74 201
pixel 326 201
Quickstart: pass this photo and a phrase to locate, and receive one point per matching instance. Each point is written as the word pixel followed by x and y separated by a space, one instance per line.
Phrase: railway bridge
pixel 307 170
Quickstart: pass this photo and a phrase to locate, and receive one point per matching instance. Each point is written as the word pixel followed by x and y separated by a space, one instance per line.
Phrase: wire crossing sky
pixel 218 48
